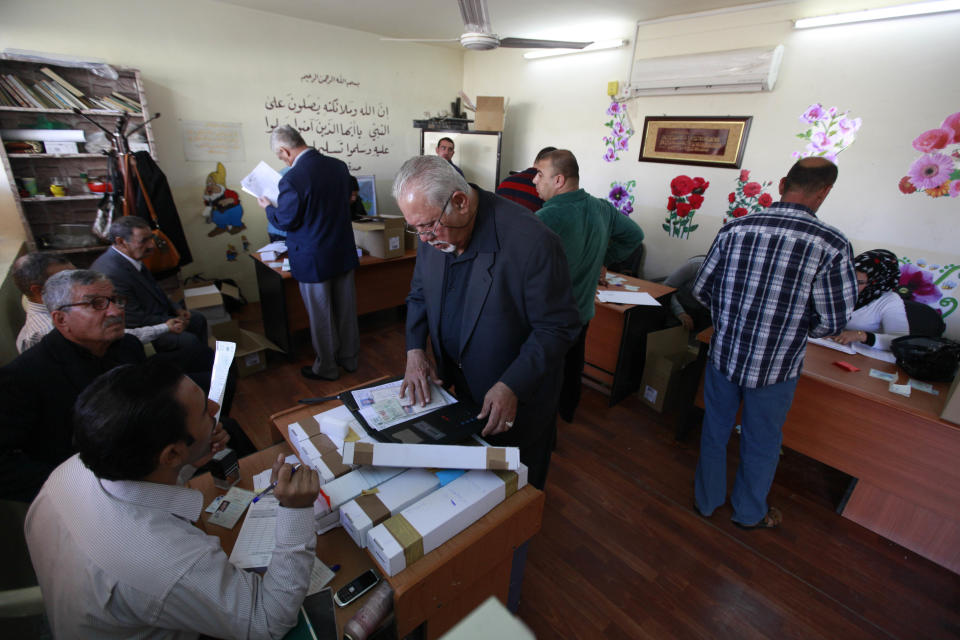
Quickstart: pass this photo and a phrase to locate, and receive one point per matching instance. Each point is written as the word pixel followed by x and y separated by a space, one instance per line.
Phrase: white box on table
pixel 417 530
pixel 440 456
pixel 360 515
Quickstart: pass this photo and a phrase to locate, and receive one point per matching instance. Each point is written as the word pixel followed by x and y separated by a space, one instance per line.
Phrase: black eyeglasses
pixel 430 228
pixel 98 303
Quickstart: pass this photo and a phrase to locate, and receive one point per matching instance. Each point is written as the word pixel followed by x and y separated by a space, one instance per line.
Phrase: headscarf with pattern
pixel 883 274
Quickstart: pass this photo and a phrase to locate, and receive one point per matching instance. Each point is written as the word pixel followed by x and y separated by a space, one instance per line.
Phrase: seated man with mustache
pixel 38 388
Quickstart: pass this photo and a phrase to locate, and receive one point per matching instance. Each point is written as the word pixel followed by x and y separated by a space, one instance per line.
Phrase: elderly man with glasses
pixel 38 389
pixel 491 289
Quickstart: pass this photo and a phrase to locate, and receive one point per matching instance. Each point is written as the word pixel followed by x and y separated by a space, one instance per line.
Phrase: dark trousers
pixel 572 370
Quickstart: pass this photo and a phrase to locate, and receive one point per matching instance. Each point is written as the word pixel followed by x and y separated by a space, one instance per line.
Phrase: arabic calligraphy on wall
pixel 355 129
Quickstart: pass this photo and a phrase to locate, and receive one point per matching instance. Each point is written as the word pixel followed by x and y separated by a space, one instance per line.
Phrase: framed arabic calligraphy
pixel 695 140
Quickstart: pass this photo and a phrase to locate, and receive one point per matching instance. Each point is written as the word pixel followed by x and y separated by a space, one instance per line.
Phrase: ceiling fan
pixel 479 36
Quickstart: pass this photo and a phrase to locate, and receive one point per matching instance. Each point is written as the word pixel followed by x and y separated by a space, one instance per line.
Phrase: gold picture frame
pixel 696 140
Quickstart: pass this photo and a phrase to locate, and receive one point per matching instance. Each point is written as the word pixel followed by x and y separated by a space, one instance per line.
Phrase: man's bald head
pixel 808 182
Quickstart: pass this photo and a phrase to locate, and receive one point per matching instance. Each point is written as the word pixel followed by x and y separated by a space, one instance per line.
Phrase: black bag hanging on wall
pixel 158 191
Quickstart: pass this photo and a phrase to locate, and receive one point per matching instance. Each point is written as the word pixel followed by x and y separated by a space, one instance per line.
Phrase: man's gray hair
pixel 58 291
pixel 31 269
pixel 123 227
pixel 433 176
pixel 287 137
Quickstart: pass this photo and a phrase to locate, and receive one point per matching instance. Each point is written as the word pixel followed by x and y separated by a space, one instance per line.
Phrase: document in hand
pixel 264 180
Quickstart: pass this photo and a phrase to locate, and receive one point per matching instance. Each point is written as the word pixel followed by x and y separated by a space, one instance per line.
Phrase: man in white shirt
pixel 110 535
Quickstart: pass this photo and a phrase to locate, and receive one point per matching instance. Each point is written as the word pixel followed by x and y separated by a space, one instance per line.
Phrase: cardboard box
pixel 382 238
pixel 417 530
pixel 951 407
pixel 207 300
pixel 667 355
pixel 490 113
pixel 251 354
pixel 363 513
pixel 440 456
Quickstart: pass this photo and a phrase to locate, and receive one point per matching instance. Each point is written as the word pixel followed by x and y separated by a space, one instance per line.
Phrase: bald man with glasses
pixel 491 290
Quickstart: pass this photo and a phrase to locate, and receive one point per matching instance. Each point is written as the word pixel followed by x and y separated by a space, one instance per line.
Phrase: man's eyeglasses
pixel 98 303
pixel 430 228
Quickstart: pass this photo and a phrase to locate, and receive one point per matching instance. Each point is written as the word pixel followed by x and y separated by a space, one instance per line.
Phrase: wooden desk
pixel 442 587
pixel 381 284
pixel 616 345
pixel 335 547
pixel 905 458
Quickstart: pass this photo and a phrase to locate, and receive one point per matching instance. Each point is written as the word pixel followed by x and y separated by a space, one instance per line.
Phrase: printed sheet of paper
pixel 382 407
pixel 830 344
pixel 257 537
pixel 876 354
pixel 262 480
pixel 628 297
pixel 277 246
pixel 229 509
pixel 264 180
pixel 221 368
pixel 319 577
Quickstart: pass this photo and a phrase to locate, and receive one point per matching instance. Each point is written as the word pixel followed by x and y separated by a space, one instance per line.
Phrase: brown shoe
pixel 772 520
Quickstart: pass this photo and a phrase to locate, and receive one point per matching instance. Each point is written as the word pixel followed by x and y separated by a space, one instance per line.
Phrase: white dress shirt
pixel 37 324
pixel 120 559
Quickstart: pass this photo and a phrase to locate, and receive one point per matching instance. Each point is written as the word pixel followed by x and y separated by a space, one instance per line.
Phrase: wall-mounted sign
pixel 706 141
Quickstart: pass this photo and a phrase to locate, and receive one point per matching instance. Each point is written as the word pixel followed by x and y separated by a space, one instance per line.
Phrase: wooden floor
pixel 622 554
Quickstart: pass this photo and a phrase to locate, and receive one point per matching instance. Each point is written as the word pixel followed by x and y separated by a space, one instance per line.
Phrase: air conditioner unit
pixel 734 71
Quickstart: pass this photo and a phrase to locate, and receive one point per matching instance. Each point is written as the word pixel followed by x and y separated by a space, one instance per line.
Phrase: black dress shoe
pixel 307 372
pixel 352 369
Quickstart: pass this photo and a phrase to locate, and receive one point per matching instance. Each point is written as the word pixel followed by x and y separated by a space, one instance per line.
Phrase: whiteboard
pixel 476 153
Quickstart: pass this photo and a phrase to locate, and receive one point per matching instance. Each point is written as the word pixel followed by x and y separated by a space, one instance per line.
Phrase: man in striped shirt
pixel 519 186
pixel 770 279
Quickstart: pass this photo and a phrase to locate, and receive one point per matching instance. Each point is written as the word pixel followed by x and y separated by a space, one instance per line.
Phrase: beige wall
pixel 893 74
pixel 205 61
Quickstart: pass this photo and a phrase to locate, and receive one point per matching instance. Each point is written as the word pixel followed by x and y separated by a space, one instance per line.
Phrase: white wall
pixel 894 74
pixel 201 60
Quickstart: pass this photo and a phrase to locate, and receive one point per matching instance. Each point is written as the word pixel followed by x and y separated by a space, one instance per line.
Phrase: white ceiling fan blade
pixel 533 43
pixel 420 39
pixel 475 15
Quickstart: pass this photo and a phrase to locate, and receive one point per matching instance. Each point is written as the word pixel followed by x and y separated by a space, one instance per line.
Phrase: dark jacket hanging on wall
pixel 155 183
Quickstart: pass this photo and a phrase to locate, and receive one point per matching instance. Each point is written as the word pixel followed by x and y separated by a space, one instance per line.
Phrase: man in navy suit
pixel 314 209
pixel 491 288
pixel 147 304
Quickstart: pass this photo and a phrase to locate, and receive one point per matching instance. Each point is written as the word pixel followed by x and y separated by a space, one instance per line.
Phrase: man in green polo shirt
pixel 593 233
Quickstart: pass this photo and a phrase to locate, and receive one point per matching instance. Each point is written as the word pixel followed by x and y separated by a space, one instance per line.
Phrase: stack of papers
pixel 627 297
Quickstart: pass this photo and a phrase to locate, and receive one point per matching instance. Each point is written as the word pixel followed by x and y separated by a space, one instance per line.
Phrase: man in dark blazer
pixel 491 288
pixel 147 304
pixel 314 209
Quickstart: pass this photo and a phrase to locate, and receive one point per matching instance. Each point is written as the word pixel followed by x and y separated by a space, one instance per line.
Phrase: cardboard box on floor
pixel 382 238
pixel 251 355
pixel 206 299
pixel 667 355
pixel 490 113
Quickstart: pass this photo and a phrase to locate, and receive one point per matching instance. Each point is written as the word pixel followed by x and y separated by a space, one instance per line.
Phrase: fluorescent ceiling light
pixel 596 46
pixel 899 11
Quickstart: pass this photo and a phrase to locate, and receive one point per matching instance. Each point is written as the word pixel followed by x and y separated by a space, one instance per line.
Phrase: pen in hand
pixel 273 485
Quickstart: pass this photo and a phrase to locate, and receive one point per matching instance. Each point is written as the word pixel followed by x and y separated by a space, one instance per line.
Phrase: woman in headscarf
pixel 879 316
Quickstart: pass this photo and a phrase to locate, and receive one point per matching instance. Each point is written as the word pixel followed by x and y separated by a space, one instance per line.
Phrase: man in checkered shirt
pixel 771 279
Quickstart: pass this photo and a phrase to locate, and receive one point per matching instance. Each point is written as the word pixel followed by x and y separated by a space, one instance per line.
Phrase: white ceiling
pixel 547 19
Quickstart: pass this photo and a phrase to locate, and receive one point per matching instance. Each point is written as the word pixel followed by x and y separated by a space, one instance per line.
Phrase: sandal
pixel 772 520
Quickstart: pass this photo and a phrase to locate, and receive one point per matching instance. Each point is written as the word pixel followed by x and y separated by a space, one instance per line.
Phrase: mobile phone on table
pixel 357 587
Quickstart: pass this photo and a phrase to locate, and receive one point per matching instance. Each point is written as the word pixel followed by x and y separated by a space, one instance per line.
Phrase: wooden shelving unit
pixel 59 224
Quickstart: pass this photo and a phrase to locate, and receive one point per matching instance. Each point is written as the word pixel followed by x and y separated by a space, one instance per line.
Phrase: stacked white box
pixel 360 515
pixel 428 456
pixel 349 486
pixel 423 526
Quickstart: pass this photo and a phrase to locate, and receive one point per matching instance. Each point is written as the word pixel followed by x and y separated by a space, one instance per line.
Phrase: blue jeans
pixel 764 411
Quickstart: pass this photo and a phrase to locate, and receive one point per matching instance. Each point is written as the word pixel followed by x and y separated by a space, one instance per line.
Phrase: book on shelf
pixel 46 98
pixel 62 103
pixel 23 94
pixel 6 96
pixel 135 105
pixel 53 75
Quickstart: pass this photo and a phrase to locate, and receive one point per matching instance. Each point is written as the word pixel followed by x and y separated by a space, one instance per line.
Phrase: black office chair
pixel 632 265
pixel 924 320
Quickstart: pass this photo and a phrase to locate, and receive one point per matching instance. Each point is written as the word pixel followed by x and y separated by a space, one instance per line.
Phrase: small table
pixel 380 283
pixel 442 587
pixel 616 344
